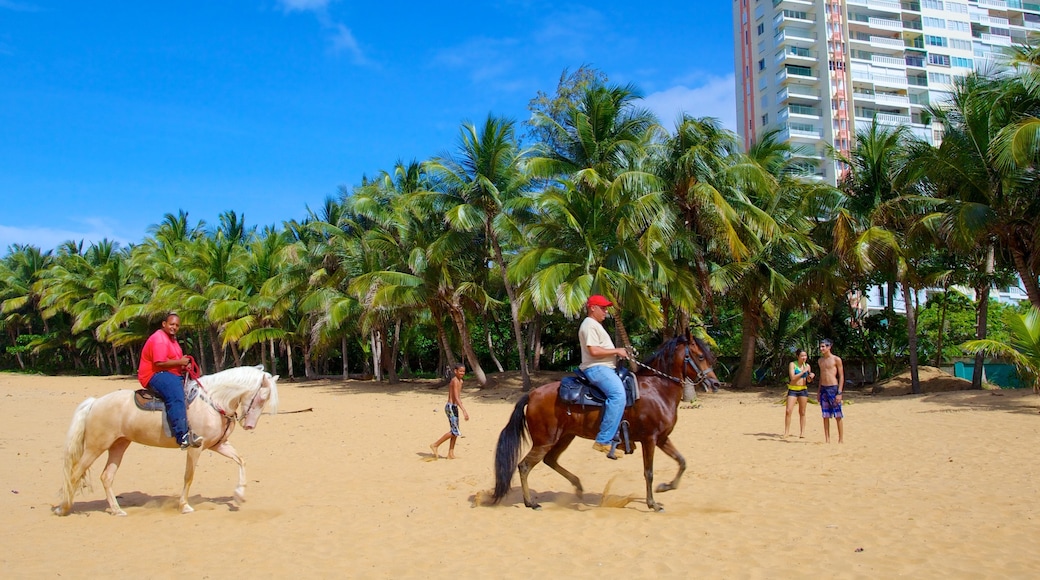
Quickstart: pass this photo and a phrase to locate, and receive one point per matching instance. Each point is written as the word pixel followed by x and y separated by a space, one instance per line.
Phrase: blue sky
pixel 113 114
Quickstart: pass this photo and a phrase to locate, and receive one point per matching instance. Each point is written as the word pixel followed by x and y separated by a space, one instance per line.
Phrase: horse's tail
pixel 72 478
pixel 507 454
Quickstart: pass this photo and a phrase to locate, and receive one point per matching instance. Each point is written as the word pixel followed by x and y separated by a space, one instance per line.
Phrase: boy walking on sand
pixel 451 408
pixel 832 383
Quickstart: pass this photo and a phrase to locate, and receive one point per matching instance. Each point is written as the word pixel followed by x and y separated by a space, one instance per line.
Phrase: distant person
pixel 451 409
pixel 832 384
pixel 162 370
pixel 599 362
pixel 799 374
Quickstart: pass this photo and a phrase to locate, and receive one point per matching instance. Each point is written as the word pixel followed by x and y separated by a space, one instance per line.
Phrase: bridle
pixel 701 375
pixel 229 418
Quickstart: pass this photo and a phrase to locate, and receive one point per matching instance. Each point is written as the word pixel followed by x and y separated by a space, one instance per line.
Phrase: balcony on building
pixel 882 99
pixel 792 4
pixel 794 35
pixel 798 93
pixel 993 39
pixel 861 20
pixel 999 4
pixel 793 130
pixel 796 73
pixel 893 6
pixel 806 152
pixel 796 54
pixel 793 16
pixel 802 112
pixel 910 6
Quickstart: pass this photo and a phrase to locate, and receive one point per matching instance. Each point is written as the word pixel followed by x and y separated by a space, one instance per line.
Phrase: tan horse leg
pixel 672 452
pixel 552 460
pixel 228 451
pixel 534 456
pixel 648 475
pixel 74 480
pixel 108 475
pixel 189 474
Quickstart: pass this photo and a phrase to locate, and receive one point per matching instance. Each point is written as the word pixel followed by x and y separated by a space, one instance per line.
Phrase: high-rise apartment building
pixel 819 70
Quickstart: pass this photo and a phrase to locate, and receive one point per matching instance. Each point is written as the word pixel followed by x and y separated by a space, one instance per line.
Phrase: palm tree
pixel 603 219
pixel 483 187
pixel 19 299
pixel 1024 348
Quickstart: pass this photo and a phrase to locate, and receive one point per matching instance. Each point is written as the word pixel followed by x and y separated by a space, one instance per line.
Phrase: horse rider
pixel 162 370
pixel 599 362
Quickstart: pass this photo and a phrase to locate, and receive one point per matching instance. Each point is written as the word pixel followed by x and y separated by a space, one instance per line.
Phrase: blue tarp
pixel 1001 374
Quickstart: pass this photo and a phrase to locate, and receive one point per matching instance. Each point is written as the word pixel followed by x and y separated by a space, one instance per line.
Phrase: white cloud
pixel 343 40
pixel 46 238
pixel 715 98
pixel 303 5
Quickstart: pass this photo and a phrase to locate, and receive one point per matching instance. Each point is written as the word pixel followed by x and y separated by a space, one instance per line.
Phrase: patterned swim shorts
pixel 452 411
pixel 829 405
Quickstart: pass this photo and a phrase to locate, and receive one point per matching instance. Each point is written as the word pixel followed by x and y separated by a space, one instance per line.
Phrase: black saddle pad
pixel 579 390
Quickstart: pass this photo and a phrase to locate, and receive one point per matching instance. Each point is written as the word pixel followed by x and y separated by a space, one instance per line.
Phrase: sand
pixel 937 485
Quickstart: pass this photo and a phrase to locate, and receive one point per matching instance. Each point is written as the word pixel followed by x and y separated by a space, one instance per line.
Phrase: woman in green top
pixel 800 374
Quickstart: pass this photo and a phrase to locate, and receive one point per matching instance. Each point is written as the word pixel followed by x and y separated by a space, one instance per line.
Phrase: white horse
pixel 114 421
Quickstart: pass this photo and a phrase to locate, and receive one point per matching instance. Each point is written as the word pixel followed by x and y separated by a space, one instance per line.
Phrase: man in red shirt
pixel 162 370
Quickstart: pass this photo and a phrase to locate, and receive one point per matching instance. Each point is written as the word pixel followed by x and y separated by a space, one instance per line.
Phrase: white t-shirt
pixel 592 333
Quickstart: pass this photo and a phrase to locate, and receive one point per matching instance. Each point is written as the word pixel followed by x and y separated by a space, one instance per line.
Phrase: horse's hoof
pixel 535 506
pixel 187 509
pixel 664 487
pixel 240 497
pixel 61 510
pixel 657 507
pixel 117 513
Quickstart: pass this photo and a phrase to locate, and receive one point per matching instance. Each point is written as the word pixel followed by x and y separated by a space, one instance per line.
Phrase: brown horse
pixel 553 425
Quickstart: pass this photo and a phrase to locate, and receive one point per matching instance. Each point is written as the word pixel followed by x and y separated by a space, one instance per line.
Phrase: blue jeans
pixel 171 388
pixel 609 382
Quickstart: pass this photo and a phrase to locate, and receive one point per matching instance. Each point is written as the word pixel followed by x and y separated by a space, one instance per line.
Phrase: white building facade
pixel 819 70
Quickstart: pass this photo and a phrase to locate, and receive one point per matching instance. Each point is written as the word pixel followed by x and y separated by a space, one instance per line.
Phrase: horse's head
pixel 265 397
pixel 699 359
pixel 686 357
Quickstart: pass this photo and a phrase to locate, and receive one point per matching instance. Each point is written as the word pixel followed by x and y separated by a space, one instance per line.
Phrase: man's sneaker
pixel 190 440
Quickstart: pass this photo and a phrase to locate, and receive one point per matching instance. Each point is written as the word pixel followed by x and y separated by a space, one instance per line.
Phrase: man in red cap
pixel 599 361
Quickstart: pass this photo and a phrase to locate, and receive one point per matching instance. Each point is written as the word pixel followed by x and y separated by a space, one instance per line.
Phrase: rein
pixel 194 374
pixel 702 375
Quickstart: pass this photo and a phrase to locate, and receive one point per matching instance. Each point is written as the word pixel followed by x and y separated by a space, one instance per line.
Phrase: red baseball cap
pixel 599 300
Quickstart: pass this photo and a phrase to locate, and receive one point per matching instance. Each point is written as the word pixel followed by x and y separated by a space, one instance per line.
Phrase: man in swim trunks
pixel 799 374
pixel 832 383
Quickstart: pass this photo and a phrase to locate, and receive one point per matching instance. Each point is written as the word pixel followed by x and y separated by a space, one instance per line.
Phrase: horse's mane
pixel 229 385
pixel 663 356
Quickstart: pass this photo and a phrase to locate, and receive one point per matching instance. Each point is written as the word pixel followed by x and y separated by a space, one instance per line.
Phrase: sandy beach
pixel 927 486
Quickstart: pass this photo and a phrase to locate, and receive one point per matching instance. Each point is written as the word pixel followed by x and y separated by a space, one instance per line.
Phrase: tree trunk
pixel 459 318
pixel 942 326
pixel 308 366
pixel 218 352
pixel 377 367
pixel 982 316
pixel 274 358
pixel 622 333
pixel 390 352
pixel 288 356
pixel 534 332
pixel 343 349
pixel 1028 276
pixel 514 310
pixel 491 351
pixel 911 331
pixel 746 369
pixel 200 352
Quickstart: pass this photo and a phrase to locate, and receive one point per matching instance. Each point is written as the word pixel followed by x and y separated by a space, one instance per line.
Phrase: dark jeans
pixel 171 388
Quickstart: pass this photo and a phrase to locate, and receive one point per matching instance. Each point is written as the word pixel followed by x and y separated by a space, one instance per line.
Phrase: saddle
pixel 149 400
pixel 579 390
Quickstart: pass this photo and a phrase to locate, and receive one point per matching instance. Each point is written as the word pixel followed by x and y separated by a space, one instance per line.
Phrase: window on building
pixel 761 29
pixel 765 119
pixel 934 22
pixel 958 26
pixel 762 64
pixel 932 4
pixel 961 62
pixel 939 59
pixel 939 78
pixel 956 7
pixel 934 40
pixel 960 44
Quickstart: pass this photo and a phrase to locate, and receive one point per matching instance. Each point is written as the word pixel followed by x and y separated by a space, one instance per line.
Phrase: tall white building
pixel 819 70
